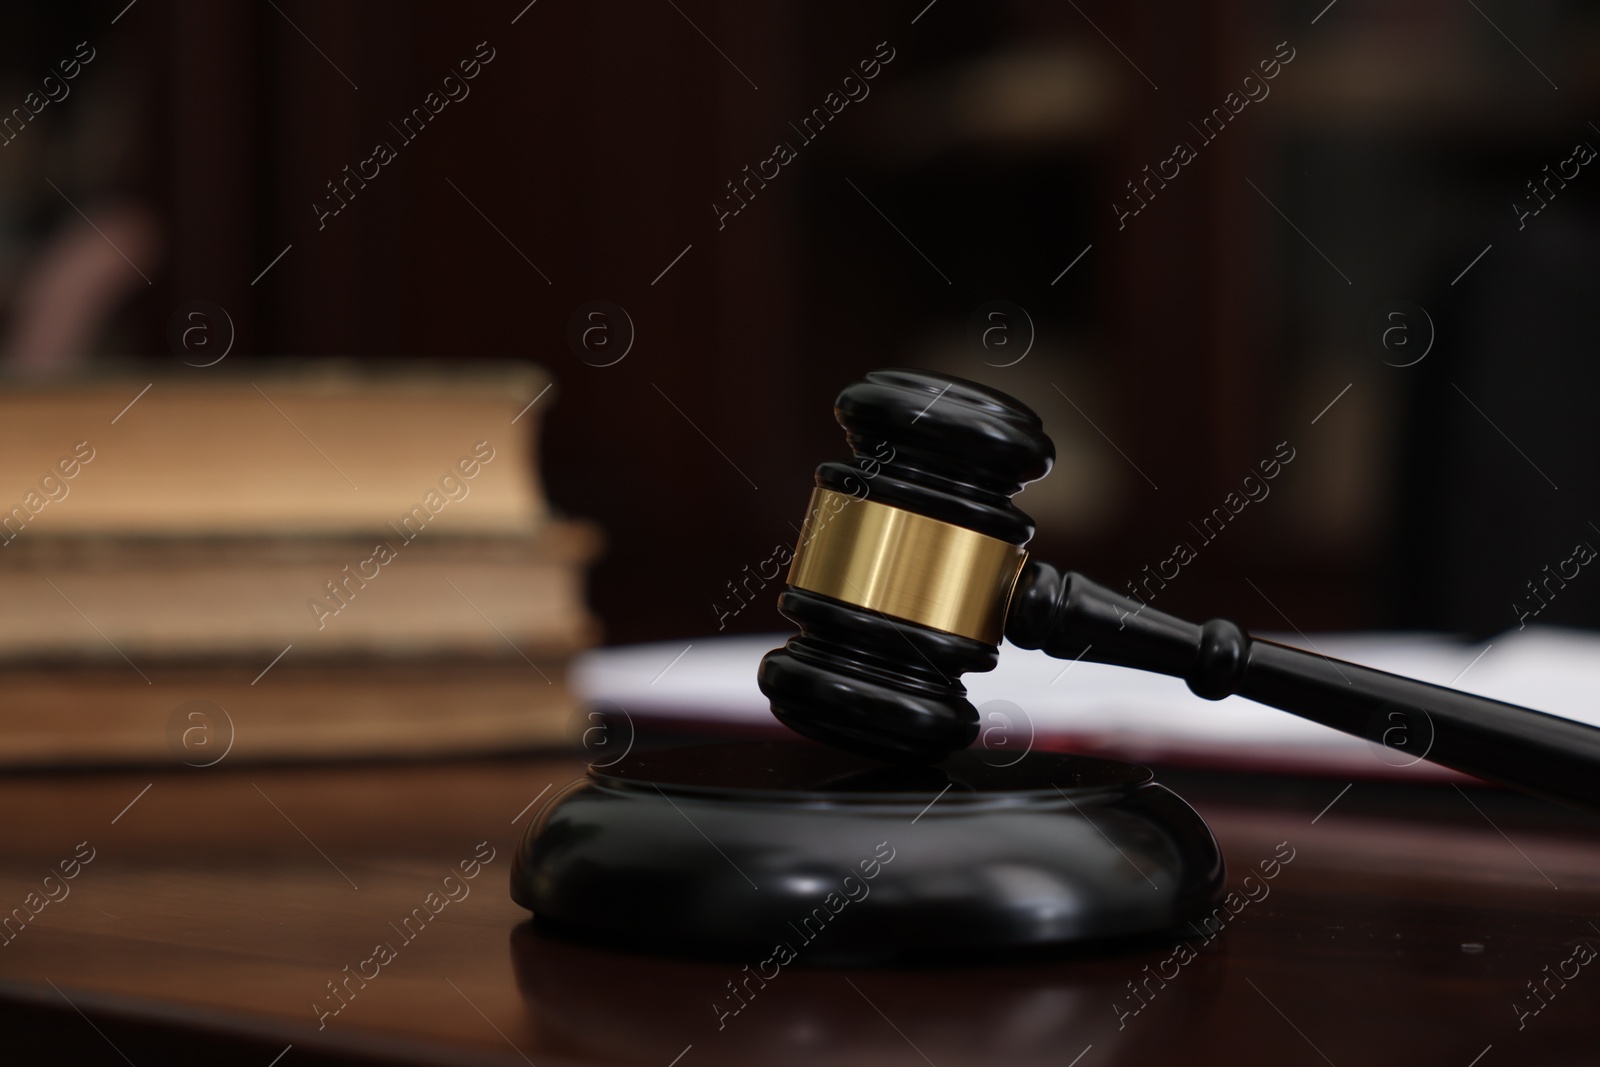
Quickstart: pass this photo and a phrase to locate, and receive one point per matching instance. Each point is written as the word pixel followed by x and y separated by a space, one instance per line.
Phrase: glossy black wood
pixel 1071 617
pixel 944 447
pixel 891 690
pixel 734 850
pixel 885 688
pixel 875 686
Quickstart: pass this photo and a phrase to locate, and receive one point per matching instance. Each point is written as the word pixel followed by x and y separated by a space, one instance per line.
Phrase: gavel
pixel 912 565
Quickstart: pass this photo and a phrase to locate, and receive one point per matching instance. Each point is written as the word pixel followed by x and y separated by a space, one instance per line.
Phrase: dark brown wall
pixel 597 139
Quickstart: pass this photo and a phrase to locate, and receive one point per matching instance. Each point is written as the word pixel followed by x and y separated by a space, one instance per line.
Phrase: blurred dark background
pixel 1179 350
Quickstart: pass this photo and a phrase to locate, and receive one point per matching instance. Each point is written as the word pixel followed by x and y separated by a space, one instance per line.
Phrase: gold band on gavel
pixel 906 565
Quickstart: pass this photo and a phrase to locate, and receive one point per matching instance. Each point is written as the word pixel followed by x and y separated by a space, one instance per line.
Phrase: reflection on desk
pixel 219 907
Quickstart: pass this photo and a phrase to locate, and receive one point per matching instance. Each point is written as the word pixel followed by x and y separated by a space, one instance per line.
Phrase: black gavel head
pixel 905 565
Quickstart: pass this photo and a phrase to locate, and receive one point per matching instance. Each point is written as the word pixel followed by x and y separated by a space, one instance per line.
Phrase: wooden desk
pixel 219 904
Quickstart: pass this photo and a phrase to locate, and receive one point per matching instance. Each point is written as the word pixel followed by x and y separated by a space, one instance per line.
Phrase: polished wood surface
pixel 219 904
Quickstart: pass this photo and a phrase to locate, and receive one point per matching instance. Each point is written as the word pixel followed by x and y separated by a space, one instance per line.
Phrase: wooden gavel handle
pixel 1071 617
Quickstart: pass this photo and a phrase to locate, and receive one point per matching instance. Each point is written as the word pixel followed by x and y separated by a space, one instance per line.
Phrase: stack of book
pixel 327 564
